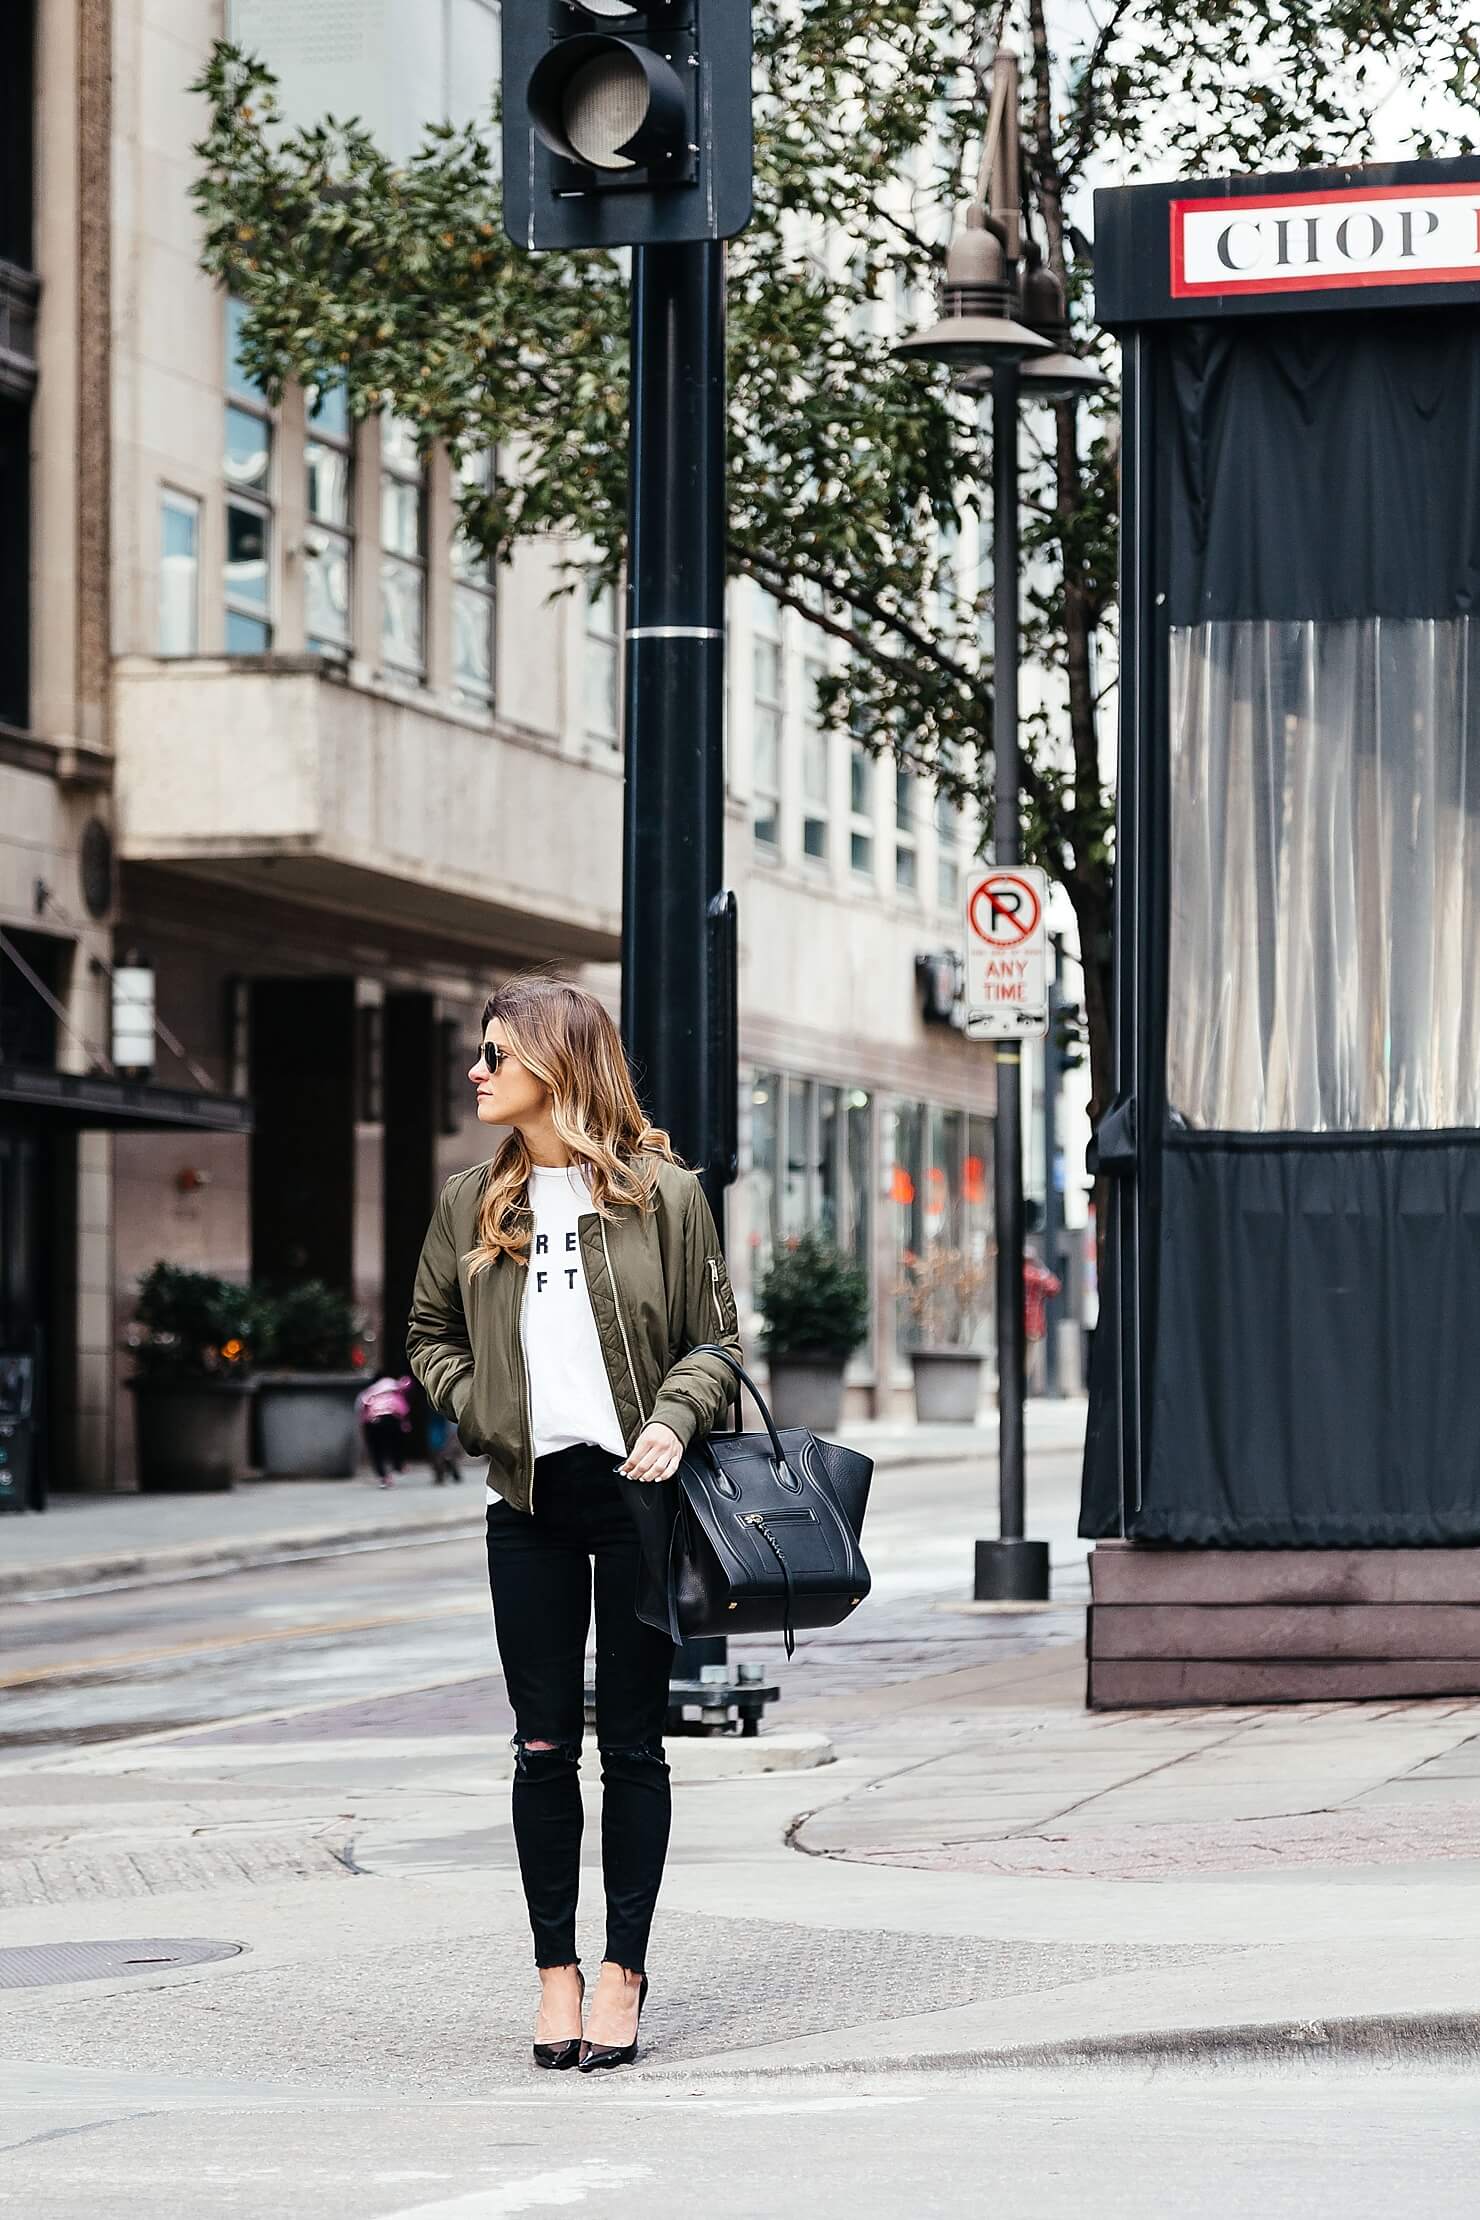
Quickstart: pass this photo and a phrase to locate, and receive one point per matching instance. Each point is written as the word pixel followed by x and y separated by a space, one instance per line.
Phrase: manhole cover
pixel 39 1965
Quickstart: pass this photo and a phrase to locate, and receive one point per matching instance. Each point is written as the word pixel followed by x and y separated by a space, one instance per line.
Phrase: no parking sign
pixel 1007 953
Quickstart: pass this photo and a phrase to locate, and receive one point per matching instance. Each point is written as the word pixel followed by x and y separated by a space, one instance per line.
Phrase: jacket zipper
pixel 524 1377
pixel 714 1291
pixel 622 1325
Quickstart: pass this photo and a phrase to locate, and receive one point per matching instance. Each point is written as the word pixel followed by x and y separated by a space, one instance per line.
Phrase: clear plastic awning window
pixel 1324 958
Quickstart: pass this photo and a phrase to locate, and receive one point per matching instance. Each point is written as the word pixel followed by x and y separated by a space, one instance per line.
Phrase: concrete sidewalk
pixel 984 1876
pixel 988 1890
pixel 89 1540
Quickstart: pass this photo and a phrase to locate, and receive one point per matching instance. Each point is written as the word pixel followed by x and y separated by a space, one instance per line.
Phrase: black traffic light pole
pixel 677 1017
pixel 674 1014
pixel 631 126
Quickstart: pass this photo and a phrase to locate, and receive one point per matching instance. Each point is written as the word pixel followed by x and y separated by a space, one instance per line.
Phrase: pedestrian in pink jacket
pixel 384 1412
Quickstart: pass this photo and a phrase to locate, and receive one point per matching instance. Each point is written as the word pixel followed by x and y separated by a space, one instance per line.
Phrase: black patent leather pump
pixel 595 2056
pixel 555 2057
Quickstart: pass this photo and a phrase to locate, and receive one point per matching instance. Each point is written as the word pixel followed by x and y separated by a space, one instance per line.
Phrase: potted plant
pixel 311 1368
pixel 946 1292
pixel 191 1341
pixel 814 1305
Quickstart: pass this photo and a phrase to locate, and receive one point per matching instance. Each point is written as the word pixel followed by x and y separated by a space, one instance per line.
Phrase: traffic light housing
pixel 1068 1036
pixel 625 122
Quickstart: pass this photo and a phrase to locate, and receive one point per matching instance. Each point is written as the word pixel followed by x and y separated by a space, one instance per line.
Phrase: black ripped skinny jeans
pixel 540 1569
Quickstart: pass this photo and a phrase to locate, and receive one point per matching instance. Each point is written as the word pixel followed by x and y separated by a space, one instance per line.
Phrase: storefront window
pixel 829 1163
pixel 860 1175
pixel 798 1205
pixel 765 1120
pixel 939 1200
pixel 811 1157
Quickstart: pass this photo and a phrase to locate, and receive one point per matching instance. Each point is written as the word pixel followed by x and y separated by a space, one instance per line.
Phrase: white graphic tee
pixel 570 1396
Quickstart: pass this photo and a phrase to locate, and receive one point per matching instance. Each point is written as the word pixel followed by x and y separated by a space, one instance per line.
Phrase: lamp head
pixel 976 329
pixel 1059 375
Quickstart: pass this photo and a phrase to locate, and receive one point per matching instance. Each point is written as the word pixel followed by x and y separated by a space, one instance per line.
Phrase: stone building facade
pixel 267 731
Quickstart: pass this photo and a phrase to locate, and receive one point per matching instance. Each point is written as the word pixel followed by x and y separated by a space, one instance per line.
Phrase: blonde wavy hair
pixel 566 1039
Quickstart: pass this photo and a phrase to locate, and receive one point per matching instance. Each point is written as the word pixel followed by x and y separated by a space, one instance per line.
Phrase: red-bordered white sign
pixel 1006 953
pixel 1356 236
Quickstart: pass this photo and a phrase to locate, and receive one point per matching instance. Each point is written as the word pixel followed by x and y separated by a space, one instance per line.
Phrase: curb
pixel 258 1552
pixel 249 1554
pixel 1442 2042
pixel 696 1760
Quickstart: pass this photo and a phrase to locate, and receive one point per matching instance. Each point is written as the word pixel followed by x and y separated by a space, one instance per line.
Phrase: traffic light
pixel 1068 1036
pixel 626 122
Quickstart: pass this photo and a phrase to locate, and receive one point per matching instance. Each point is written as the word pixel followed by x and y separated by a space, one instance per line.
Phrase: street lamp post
pixel 1004 324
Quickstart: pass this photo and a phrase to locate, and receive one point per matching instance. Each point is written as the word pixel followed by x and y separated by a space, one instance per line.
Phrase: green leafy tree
pixel 848 470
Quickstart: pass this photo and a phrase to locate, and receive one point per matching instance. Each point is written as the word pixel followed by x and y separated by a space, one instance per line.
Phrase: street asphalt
pixel 997 1953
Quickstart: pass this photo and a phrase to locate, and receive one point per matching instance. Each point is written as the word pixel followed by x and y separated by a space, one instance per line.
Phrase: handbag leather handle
pixel 743 1379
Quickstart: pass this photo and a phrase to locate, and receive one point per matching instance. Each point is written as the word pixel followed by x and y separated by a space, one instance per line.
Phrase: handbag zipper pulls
pixel 757 1519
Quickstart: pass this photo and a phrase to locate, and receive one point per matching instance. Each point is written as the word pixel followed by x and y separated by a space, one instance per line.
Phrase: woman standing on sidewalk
pixel 562 1287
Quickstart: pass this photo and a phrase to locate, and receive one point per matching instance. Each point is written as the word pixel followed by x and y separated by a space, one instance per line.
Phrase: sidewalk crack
pixel 1132 1780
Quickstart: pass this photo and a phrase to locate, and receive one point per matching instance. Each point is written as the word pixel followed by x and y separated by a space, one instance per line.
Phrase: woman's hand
pixel 656 1454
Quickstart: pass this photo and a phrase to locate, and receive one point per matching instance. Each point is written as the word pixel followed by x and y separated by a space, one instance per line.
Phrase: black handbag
pixel 765 1536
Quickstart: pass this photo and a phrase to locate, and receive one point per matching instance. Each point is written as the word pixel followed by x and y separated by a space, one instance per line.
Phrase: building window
pixel 603 672
pixel 816 764
pixel 179 574
pixel 861 809
pixel 472 597
pixel 906 852
pixel 329 536
pixel 403 551
pixel 248 471
pixel 947 851
pixel 768 664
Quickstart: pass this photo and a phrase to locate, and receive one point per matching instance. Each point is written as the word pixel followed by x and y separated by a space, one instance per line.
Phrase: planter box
pixel 807 1390
pixel 948 1385
pixel 306 1424
pixel 192 1434
pixel 1170 1627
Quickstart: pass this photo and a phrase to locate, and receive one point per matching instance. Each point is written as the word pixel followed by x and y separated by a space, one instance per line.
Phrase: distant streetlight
pixel 1003 323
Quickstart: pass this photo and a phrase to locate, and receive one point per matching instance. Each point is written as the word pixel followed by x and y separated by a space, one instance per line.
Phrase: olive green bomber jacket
pixel 658 1288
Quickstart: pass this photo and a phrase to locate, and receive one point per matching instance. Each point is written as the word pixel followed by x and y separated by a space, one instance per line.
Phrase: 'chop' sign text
pixel 1362 235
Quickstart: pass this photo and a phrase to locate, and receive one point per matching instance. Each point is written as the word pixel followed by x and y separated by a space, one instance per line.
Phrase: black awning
pixel 92 1099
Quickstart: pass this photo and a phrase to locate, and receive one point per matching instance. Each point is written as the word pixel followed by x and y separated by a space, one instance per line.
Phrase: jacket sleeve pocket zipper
pixel 719 1311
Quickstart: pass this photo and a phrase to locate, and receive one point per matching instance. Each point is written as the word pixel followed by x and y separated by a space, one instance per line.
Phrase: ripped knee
pixel 634 1760
pixel 536 1759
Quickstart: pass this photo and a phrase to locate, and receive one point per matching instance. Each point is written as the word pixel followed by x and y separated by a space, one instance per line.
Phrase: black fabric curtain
pixel 1315 1378
pixel 1323 467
